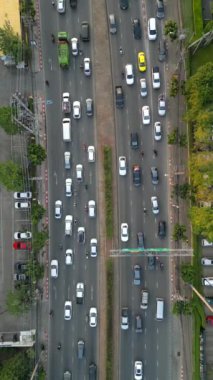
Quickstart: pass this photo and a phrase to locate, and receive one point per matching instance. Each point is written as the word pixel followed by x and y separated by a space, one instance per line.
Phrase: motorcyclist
pixel 155 152
pixel 47 82
pixel 59 346
pixel 121 50
pixel 53 37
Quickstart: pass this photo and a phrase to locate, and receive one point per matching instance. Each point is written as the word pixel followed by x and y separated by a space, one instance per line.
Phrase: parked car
pixel 206 243
pixel 22 245
pixel 24 205
pixel 20 266
pixel 207 261
pixel 22 235
pixel 209 319
pixel 23 195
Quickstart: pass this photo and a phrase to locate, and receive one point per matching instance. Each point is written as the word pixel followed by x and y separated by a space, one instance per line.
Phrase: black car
pixel 124 4
pixel 81 235
pixel 138 324
pixel 151 262
pixel 20 266
pixel 136 28
pixel 136 172
pixel 162 229
pixel 119 96
pixel 92 371
pixel 134 140
pixel 73 3
pixel 140 239
pixel 160 9
pixel 162 50
pixel 85 34
pixel 137 275
pixel 154 175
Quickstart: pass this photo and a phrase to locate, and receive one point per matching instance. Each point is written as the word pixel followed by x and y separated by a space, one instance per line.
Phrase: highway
pixel 153 345
pixel 73 80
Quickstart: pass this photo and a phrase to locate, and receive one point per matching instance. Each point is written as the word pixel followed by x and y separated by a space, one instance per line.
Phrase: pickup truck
pixel 66 106
pixel 79 293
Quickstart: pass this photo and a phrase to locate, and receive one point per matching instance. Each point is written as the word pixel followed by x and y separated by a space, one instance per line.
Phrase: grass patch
pixel 198 19
pixel 200 58
pixel 187 15
pixel 108 182
pixel 109 348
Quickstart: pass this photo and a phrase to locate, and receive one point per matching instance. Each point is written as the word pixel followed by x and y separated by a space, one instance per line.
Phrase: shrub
pixel 108 182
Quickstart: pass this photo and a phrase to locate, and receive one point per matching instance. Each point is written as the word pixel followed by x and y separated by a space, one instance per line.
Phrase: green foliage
pixel 10 42
pixel 174 86
pixel 209 26
pixel 109 350
pixel 202 221
pixel 34 269
pixel 173 137
pixel 182 307
pixel 19 301
pixel 37 154
pixel 202 175
pixel 38 212
pixel 108 181
pixel 11 176
pixel 183 140
pixel 183 191
pixel 179 232
pixel 171 29
pixel 41 374
pixel 198 18
pixel 188 273
pixel 5 121
pixel 28 9
pixel 39 240
pixel 18 367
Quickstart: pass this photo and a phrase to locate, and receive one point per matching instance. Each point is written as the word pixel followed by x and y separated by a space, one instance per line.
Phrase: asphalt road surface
pixel 153 345
pixel 83 270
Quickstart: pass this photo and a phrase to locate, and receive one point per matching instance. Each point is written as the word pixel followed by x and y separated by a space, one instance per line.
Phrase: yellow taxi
pixel 141 61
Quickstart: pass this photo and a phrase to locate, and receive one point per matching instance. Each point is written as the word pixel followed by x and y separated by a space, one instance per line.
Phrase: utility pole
pixel 21 114
pixel 201 298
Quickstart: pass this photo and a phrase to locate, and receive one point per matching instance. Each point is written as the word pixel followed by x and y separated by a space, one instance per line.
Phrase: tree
pixel 173 137
pixel 182 307
pixel 39 240
pixel 10 42
pixel 174 86
pixel 38 212
pixel 37 154
pixel 202 175
pixel 18 301
pixel 11 176
pixel 188 273
pixel 34 270
pixel 171 29
pixel 202 221
pixel 179 232
pixel 184 190
pixel 5 121
pixel 18 367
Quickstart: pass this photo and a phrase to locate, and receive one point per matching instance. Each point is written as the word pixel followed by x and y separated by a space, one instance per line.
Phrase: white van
pixel 152 29
pixel 160 309
pixel 66 124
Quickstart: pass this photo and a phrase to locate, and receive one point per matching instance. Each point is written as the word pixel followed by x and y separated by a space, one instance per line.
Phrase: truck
pixel 63 49
pixel 66 106
pixel 67 375
pixel 80 293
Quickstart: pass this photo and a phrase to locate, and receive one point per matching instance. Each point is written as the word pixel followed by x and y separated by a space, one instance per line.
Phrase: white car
pixel 124 232
pixel 138 370
pixel 207 261
pixel 122 166
pixel 58 209
pixel 157 131
pixel 74 46
pixel 91 209
pixel 68 225
pixel 155 77
pixel 152 29
pixel 143 87
pixel 22 205
pixel 93 247
pixel 24 195
pixel 206 243
pixel 54 268
pixel 61 6
pixel 79 172
pixel 68 310
pixel 129 74
pixel 68 187
pixel 145 115
pixel 76 109
pixel 22 235
pixel 87 67
pixel 155 208
pixel 93 317
pixel 91 153
pixel 161 105
pixel 69 257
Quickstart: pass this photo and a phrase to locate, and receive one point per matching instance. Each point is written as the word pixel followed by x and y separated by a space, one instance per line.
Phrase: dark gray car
pixel 89 107
pixel 160 9
pixel 151 262
pixel 154 175
pixel 162 50
pixel 81 347
pixel 137 275
pixel 140 239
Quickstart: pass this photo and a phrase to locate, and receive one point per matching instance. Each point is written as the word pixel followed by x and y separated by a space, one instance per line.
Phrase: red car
pixel 209 319
pixel 22 245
